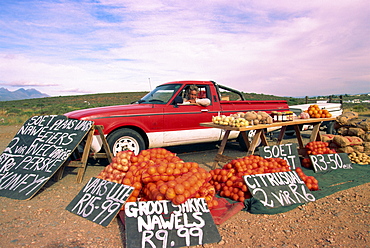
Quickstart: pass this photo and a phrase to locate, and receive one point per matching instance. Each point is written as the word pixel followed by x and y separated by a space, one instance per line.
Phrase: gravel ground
pixel 338 220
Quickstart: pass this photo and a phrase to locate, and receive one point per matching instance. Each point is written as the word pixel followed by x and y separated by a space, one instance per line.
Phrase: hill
pixel 7 95
pixel 18 111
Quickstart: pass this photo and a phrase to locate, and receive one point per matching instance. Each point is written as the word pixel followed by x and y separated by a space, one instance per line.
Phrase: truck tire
pixel 125 139
pixel 330 128
pixel 250 135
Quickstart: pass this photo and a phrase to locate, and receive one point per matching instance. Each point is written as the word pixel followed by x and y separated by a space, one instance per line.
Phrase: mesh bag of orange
pixel 229 182
pixel 158 174
pixel 315 112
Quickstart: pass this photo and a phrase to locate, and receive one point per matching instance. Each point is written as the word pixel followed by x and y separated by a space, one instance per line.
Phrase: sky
pixel 284 48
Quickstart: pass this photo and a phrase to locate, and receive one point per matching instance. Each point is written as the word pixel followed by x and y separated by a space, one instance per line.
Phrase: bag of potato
pixel 367 147
pixel 327 137
pixel 343 141
pixel 345 117
pixel 353 122
pixel 358 148
pixel 355 131
pixel 343 131
pixel 347 149
pixel 364 124
pixel 365 137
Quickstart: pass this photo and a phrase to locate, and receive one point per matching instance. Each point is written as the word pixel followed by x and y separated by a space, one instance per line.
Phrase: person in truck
pixel 192 95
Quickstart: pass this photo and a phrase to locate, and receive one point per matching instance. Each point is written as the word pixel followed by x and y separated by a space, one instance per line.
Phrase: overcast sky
pixel 284 48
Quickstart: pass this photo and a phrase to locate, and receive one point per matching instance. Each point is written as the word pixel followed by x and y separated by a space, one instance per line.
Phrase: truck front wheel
pixel 125 139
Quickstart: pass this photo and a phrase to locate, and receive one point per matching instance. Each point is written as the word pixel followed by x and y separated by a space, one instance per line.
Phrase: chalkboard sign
pixel 100 200
pixel 278 189
pixel 36 152
pixel 288 152
pixel 163 224
pixel 329 162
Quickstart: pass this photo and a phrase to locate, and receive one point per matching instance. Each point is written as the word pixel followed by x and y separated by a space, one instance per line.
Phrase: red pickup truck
pixel 160 118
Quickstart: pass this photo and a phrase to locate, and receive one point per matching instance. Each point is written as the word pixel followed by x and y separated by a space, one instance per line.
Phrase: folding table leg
pixel 315 135
pixel 221 149
pixel 254 142
pixel 85 156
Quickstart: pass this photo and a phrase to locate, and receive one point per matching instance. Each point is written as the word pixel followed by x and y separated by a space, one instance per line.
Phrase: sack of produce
pixel 364 124
pixel 343 131
pixel 345 117
pixel 327 137
pixel 347 149
pixel 358 148
pixel 367 147
pixel 158 174
pixel 355 131
pixel 359 123
pixel 343 141
pixel 365 137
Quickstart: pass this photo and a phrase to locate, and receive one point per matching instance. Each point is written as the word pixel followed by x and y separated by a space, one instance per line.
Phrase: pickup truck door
pixel 182 124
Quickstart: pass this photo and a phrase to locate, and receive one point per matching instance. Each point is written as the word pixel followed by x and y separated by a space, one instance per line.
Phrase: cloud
pixel 76 91
pixel 28 84
pixel 273 47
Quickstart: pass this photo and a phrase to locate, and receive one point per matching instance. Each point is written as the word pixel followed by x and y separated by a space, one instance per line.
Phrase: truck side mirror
pixel 177 100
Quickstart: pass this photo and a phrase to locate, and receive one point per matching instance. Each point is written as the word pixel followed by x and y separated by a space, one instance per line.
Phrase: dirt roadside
pixel 339 220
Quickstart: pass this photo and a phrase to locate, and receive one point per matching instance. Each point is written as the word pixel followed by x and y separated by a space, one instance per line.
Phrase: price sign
pixel 100 200
pixel 36 152
pixel 163 224
pixel 329 162
pixel 278 189
pixel 288 152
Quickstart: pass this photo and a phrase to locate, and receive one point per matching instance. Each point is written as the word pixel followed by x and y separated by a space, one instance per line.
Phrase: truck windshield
pixel 161 94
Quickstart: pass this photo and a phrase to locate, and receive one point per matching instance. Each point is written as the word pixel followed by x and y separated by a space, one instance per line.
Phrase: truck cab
pixel 162 118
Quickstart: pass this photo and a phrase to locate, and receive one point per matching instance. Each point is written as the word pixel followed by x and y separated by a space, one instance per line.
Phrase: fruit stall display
pixel 158 174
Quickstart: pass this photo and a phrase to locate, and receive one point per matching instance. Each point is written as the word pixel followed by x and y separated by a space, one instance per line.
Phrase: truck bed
pixel 245 106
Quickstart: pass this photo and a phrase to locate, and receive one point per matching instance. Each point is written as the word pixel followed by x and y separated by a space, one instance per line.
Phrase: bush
pixel 14 111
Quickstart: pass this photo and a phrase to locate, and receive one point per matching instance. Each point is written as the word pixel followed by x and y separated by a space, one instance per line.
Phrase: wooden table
pixel 81 162
pixel 315 134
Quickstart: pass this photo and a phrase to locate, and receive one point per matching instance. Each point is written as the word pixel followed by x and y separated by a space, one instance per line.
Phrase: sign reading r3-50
pixel 328 162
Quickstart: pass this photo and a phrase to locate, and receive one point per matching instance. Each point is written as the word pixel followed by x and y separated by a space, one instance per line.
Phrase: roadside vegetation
pixel 18 111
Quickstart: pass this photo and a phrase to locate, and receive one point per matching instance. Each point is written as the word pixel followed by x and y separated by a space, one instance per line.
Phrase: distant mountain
pixel 20 94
